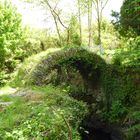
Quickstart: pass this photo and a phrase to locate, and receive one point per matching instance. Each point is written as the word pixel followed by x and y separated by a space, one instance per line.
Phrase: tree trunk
pixel 80 22
pixel 90 22
pixel 99 7
pixel 55 21
pixel 68 36
pixel 57 28
pixel 99 28
pixel 42 46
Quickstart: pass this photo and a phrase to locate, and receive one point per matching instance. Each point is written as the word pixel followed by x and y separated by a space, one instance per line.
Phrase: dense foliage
pixel 72 82
pixel 11 33
pixel 12 50
pixel 128 56
pixel 130 16
pixel 115 92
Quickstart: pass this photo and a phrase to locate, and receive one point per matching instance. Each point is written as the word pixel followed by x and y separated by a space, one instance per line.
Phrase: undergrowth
pixel 118 83
pixel 43 113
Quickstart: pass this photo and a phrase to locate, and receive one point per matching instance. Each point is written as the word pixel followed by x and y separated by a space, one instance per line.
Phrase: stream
pixel 95 129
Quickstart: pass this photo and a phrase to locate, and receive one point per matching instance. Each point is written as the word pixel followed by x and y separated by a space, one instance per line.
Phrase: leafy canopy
pixel 130 15
pixel 11 34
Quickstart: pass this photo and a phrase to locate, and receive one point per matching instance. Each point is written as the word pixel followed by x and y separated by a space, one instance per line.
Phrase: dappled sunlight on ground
pixel 7 90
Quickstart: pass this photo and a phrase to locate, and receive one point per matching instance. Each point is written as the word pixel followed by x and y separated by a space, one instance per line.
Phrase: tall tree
pixel 57 19
pixel 11 36
pixel 90 42
pixel 99 6
pixel 130 16
pixel 74 36
pixel 53 13
pixel 87 7
pixel 80 22
pixel 116 19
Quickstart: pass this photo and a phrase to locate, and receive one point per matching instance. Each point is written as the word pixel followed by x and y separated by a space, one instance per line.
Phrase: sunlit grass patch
pixel 40 114
pixel 7 90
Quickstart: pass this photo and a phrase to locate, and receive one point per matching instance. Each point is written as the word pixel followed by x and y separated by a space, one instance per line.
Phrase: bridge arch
pixel 90 65
pixel 92 68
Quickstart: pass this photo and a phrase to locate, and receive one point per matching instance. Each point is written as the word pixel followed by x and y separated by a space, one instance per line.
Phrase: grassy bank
pixel 40 113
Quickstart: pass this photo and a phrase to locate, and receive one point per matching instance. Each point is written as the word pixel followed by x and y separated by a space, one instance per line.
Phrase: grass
pixel 41 114
pixel 44 112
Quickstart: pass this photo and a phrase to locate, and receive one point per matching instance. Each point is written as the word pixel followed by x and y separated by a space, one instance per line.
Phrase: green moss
pixel 133 132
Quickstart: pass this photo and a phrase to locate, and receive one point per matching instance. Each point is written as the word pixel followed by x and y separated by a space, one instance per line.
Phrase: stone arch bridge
pixel 91 67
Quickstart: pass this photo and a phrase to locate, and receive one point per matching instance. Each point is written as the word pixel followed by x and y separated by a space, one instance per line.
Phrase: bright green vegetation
pixel 119 99
pixel 51 82
pixel 12 41
pixel 43 112
pixel 127 21
pixel 130 16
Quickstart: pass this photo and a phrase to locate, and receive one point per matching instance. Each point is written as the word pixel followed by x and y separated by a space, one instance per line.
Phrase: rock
pixel 5 104
pixel 22 93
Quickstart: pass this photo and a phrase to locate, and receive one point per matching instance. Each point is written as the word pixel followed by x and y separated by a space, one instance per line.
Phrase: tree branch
pixel 53 10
